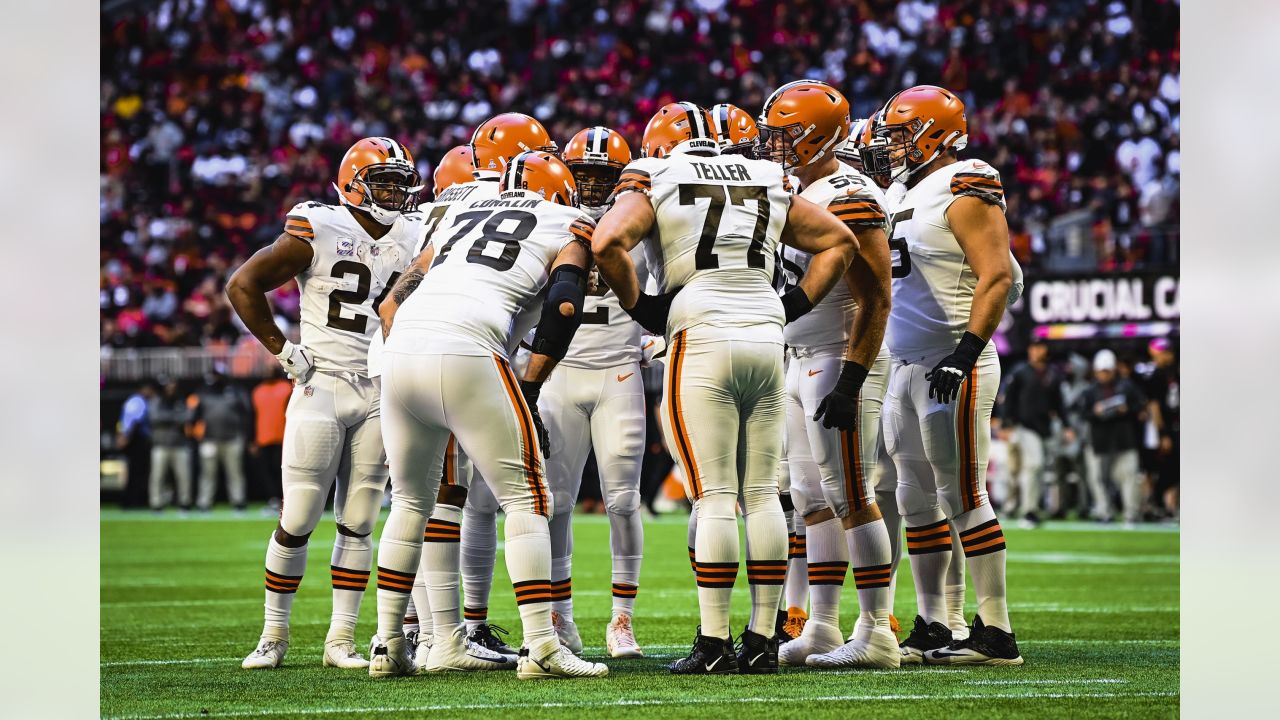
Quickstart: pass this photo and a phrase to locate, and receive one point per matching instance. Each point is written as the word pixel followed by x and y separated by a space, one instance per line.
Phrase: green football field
pixel 1096 612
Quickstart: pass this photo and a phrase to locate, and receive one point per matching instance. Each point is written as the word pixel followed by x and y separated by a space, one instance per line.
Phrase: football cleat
pixel 894 625
pixel 412 638
pixel 620 639
pixel 923 638
pixel 796 618
pixel 268 654
pixel 342 654
pixel 567 631
pixel 559 664
pixel 709 656
pixel 487 636
pixel 758 654
pixel 986 645
pixel 422 650
pixel 390 659
pixel 879 650
pixel 817 638
pixel 455 652
pixel 780 628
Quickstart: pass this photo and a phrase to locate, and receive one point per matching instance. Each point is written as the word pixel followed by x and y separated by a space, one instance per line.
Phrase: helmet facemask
pixel 596 181
pixel 777 144
pixel 387 189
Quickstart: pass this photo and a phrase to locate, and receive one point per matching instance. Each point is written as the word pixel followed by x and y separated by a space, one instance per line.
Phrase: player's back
pixel 350 273
pixel 933 283
pixel 492 257
pixel 719 223
pixel 855 200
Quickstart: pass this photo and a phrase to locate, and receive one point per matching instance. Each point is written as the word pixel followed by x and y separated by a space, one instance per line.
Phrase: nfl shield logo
pixel 308 391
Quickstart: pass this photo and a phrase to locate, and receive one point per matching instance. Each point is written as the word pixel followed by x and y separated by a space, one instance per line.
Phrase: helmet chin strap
pixel 380 214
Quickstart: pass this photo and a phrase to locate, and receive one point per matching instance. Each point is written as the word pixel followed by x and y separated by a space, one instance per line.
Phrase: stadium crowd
pixel 218 115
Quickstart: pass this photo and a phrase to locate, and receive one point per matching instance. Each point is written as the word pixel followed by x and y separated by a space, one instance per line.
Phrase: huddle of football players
pixel 821 292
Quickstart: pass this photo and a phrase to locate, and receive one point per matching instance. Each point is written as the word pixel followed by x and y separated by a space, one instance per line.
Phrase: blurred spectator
pixel 1112 404
pixel 169 417
pixel 217 117
pixel 1031 405
pixel 1161 384
pixel 270 398
pixel 220 415
pixel 134 439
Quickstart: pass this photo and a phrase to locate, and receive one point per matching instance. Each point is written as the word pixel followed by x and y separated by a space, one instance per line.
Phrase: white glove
pixel 296 361
pixel 1015 288
pixel 651 346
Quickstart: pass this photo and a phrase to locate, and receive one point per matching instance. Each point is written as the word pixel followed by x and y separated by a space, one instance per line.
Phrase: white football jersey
pixel 608 337
pixel 933 284
pixel 853 198
pixel 349 275
pixel 719 223
pixel 492 258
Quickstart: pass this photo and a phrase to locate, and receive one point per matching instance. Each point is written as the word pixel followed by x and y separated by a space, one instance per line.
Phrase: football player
pixel 835 387
pixel 595 401
pixel 461 535
pixel 950 291
pixel 345 257
pixel 447 378
pixel 734 130
pixel 712 225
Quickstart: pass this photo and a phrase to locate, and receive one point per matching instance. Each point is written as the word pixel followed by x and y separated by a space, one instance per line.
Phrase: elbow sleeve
pixel 555 331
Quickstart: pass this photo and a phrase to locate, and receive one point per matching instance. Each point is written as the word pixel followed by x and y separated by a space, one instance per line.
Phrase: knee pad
pixel 763 499
pixel 561 502
pixel 718 506
pixel 623 502
pixel 912 498
pixel 314 441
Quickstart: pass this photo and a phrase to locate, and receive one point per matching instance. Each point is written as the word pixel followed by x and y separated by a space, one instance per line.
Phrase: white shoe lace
pixel 266 647
pixel 623 636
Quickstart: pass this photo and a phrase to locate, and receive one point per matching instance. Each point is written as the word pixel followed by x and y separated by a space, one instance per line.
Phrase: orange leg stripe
pixel 683 447
pixel 915 533
pixel 930 543
pixel 993 541
pixel 528 448
pixel 451 461
pixel 350 575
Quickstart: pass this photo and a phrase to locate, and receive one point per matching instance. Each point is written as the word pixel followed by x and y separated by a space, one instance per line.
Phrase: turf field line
pixel 179 603
pixel 1054 607
pixel 1085 559
pixel 653 703
pixel 189 661
pixel 1051 681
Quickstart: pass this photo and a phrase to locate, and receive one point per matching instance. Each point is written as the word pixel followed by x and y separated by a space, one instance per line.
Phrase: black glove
pixel 946 376
pixel 651 311
pixel 531 389
pixel 796 304
pixel 839 409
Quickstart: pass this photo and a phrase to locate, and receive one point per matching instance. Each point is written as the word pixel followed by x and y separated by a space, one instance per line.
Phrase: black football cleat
pixel 709 656
pixel 484 636
pixel 923 638
pixel 758 654
pixel 986 645
pixel 780 628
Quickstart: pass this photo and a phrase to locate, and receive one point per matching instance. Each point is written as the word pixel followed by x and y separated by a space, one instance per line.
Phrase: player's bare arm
pixel 404 287
pixel 831 243
pixel 266 270
pixel 869 279
pixel 983 234
pixel 619 230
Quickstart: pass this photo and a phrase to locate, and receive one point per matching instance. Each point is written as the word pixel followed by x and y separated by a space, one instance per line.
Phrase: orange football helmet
pixel 377 175
pixel 803 122
pixel 542 173
pixel 596 156
pixel 455 167
pixel 678 126
pixel 504 136
pixel 734 129
pixel 918 125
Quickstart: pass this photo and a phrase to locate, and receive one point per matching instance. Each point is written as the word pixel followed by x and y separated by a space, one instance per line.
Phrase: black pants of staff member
pixel 267 462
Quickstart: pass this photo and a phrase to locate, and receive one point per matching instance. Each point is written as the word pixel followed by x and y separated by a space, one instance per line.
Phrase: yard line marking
pixel 1081 681
pixel 1070 558
pixel 1054 607
pixel 1032 695
pixel 180 603
pixel 189 661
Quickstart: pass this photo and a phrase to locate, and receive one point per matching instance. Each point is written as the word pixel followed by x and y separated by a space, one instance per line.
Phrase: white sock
pixel 797 589
pixel 929 547
pixel 439 567
pixel 984 551
pixel 352 558
pixel 399 549
pixel 626 548
pixel 285 566
pixel 828 562
pixel 954 589
pixel 766 557
pixel 562 586
pixel 716 547
pixel 528 551
pixel 479 553
pixel 871 558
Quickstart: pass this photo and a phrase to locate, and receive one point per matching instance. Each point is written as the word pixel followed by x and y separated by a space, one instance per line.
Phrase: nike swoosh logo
pixel 944 653
pixel 647 345
pixel 712 666
pixel 754 659
pixel 814 372
pixel 622 378
pixel 486 659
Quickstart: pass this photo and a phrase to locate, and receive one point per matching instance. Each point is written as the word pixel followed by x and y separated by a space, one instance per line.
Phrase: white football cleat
pixel 342 654
pixel 456 652
pixel 879 650
pixel 422 650
pixel 620 639
pixel 390 659
pixel 567 631
pixel 816 638
pixel 268 654
pixel 561 663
